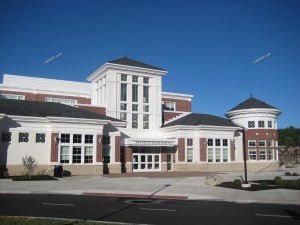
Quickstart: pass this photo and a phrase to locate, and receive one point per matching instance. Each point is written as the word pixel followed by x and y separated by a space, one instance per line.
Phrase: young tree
pixel 30 165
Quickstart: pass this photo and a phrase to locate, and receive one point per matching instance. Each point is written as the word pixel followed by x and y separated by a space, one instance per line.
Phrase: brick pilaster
pixel 117 148
pixel 54 147
pixel 181 150
pixel 232 150
pixel 99 148
pixel 203 150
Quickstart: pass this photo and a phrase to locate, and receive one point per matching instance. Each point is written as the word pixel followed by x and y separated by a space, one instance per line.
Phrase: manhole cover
pixel 142 201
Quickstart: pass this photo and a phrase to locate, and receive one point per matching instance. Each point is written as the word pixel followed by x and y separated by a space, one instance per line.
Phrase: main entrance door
pixel 146 159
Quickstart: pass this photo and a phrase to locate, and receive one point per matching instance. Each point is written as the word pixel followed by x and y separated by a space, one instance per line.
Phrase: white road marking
pixel 167 210
pixel 55 204
pixel 282 216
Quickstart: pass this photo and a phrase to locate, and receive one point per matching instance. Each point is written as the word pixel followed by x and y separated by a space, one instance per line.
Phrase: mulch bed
pixel 33 178
pixel 255 185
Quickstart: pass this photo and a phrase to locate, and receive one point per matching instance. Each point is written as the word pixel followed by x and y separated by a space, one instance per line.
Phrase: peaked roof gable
pixel 252 103
pixel 194 119
pixel 44 109
pixel 131 62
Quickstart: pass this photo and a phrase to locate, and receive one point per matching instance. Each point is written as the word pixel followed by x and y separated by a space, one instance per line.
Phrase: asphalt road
pixel 147 211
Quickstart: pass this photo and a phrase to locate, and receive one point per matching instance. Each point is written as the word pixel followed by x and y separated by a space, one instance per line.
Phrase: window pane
pixel 88 139
pixel 146 94
pixel 76 138
pixel 65 138
pixel 123 92
pixel 134 93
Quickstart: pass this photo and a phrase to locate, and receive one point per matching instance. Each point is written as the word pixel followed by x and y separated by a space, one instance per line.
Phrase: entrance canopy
pixel 150 142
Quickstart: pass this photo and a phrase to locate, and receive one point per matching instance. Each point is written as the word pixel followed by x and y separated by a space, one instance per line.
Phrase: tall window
pixel 123 92
pixel 252 149
pixel 217 150
pixel 146 121
pixel 271 150
pixel 134 121
pixel 134 93
pixel 262 149
pixel 189 155
pixel 146 94
pixel 77 148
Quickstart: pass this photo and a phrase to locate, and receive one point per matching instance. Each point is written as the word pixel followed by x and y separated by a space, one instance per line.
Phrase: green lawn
pixel 7 220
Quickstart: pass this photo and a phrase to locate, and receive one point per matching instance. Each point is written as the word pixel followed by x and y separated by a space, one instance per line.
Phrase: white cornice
pixel 177 96
pixel 198 128
pixel 244 112
pixel 77 120
pixel 40 91
pixel 122 68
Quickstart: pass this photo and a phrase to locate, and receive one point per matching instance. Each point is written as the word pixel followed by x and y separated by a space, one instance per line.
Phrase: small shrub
pixel 5 174
pixel 287 174
pixel 264 184
pixel 237 183
pixel 30 165
pixel 278 181
pixel 295 174
pixel 290 184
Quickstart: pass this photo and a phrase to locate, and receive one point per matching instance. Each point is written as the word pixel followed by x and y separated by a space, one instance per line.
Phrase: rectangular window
pixel 170 106
pixel 225 155
pixel 88 155
pixel 251 124
pixel 88 139
pixel 146 108
pixel 210 154
pixel 271 143
pixel 269 124
pixel 218 142
pixel 23 137
pixel 271 154
pixel 134 93
pixel 252 143
pixel 124 92
pixel 15 97
pixel 6 137
pixel 262 143
pixel 218 155
pixel 189 142
pixel 261 124
pixel 123 77
pixel 146 80
pixel 145 121
pixel 76 154
pixel 61 100
pixel 262 154
pixel 134 121
pixel 123 116
pixel 123 106
pixel 40 138
pixel 134 107
pixel 225 142
pixel 190 154
pixel 135 79
pixel 65 154
pixel 210 142
pixel 252 154
pixel 77 138
pixel 146 94
pixel 65 138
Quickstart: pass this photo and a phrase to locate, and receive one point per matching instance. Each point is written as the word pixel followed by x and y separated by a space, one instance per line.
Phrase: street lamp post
pixel 245 157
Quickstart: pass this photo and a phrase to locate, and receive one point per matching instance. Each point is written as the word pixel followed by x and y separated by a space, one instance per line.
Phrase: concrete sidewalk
pixel 176 185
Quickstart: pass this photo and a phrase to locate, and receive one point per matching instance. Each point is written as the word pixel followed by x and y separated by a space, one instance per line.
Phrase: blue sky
pixel 208 47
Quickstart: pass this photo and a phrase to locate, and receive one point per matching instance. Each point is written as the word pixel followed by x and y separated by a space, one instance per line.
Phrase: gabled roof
pixel 195 119
pixel 45 109
pixel 131 62
pixel 252 103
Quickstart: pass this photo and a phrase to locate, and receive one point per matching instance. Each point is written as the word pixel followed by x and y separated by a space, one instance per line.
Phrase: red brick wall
pixel 232 151
pixel 128 154
pixel 203 149
pixel 41 97
pixel 181 150
pixel 181 105
pixel 164 152
pixel 54 148
pixel 99 110
pixel 169 115
pixel 99 149
pixel 117 148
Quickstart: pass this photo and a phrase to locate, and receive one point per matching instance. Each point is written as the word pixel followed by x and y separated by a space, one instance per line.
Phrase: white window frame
pixel 61 100
pixel 14 97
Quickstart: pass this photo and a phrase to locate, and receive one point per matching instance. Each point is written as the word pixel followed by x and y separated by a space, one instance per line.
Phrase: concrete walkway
pixel 172 185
